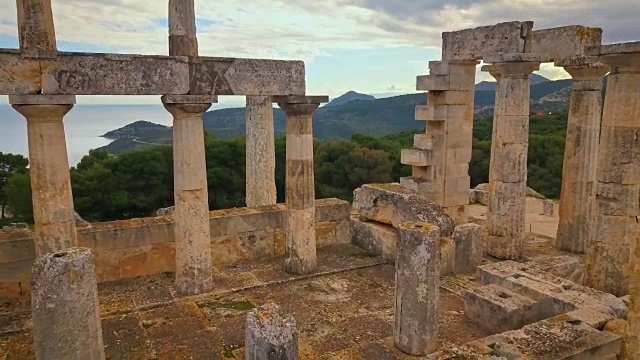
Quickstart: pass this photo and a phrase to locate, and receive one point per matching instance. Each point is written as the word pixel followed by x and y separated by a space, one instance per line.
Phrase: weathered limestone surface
pixel 64 304
pixel 377 238
pixel 508 169
pixel 472 44
pixel 53 212
pixel 300 185
pixel 499 309
pixel 563 42
pixel 127 74
pixel 270 334
pixel 611 259
pixel 468 247
pixel 36 32
pixel 139 247
pixel 182 28
pixel 261 154
pixel 191 214
pixel 556 295
pixel 393 204
pixel 547 207
pixel 564 266
pixel 417 289
pixel 577 197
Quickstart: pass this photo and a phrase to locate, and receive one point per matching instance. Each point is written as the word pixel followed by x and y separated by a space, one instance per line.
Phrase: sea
pixel 84 125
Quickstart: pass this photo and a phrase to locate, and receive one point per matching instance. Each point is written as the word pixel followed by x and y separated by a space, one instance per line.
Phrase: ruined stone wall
pixel 137 247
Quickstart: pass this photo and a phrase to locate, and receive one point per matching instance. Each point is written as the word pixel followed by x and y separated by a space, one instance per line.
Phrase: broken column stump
pixel 468 245
pixel 270 334
pixel 547 207
pixel 64 304
pixel 416 292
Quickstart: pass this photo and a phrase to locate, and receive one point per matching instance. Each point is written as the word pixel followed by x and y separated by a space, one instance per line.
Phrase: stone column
pixel 577 197
pixel 300 185
pixel 509 146
pixel 261 153
pixel 417 288
pixel 53 213
pixel 36 32
pixel 182 28
pixel 613 259
pixel 64 306
pixel 440 158
pixel 270 334
pixel 191 214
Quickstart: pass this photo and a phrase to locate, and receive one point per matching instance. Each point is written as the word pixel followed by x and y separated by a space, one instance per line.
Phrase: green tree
pixel 10 164
pixel 18 192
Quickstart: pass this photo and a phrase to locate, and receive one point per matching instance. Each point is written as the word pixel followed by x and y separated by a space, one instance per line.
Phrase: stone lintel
pixel 511 57
pixel 566 41
pixel 189 99
pixel 471 44
pixel 300 99
pixel 126 74
pixel 42 99
pixel 584 68
pixel 578 60
pixel 610 49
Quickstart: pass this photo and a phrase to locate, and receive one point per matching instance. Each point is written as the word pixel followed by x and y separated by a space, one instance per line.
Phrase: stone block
pixel 457 97
pixel 560 337
pixel 499 309
pixel 432 83
pixel 564 266
pixel 393 204
pixel 18 75
pixel 621 48
pixel 591 317
pixel 447 256
pixel 332 210
pixel 378 239
pixel 343 232
pixel 472 44
pixel 423 141
pixel 416 157
pixel 510 57
pixel 617 200
pixel 563 42
pixel 468 245
pixel 270 333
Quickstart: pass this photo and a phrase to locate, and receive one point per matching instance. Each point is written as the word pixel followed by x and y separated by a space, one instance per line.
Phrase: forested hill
pixel 376 117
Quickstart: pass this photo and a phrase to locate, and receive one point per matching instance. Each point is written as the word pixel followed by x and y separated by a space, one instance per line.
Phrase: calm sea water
pixel 83 126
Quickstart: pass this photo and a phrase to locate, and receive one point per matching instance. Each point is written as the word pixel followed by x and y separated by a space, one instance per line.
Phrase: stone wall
pixel 137 247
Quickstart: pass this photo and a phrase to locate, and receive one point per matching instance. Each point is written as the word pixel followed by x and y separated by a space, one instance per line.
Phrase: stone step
pixel 499 309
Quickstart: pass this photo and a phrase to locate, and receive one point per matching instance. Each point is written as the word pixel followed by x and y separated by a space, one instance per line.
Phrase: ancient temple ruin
pixel 403 271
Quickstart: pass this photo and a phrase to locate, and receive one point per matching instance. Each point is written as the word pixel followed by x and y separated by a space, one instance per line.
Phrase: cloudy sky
pixel 371 46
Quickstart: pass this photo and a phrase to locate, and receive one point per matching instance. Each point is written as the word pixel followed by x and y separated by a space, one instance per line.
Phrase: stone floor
pixel 344 311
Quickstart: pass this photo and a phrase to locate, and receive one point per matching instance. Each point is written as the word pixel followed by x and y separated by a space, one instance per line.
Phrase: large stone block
pixel 472 44
pixel 416 157
pixel 499 309
pixel 469 247
pixel 394 204
pixel 564 42
pixel 378 239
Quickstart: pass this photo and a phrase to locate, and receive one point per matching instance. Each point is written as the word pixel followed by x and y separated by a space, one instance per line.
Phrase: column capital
pixel 187 104
pixel 492 70
pixel 514 65
pixel 42 108
pixel 299 104
pixel 584 67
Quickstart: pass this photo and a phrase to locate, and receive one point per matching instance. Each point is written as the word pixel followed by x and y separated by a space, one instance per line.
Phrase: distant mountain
pixel 135 129
pixel 374 117
pixel 492 85
pixel 349 97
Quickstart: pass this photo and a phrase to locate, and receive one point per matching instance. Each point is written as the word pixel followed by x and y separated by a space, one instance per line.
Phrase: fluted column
pixel 577 197
pixel 509 145
pixel 613 259
pixel 300 185
pixel 261 155
pixel 53 213
pixel 191 215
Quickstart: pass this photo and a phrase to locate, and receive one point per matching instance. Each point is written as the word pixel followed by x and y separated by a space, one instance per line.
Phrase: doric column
pixel 53 213
pixel 191 215
pixel 36 30
pixel 182 28
pixel 300 192
pixel 613 258
pixel 440 158
pixel 261 153
pixel 509 145
pixel 577 197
